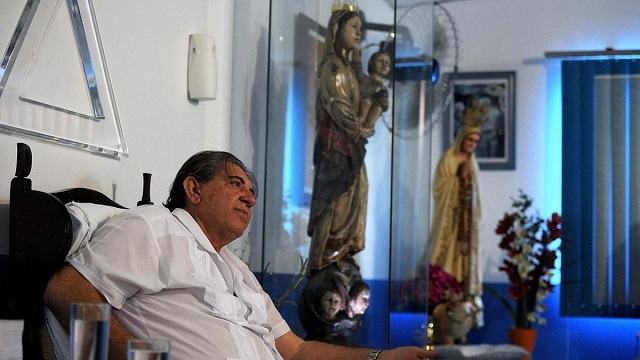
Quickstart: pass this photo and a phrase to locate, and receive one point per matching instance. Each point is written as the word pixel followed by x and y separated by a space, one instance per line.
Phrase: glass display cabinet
pixel 397 161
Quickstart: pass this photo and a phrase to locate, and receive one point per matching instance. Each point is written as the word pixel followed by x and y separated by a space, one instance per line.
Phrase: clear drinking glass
pixel 89 331
pixel 148 349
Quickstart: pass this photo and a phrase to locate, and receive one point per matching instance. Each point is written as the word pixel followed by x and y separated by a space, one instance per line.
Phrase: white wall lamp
pixel 201 73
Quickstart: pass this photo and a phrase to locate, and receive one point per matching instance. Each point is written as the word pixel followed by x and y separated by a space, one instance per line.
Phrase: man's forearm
pixel 318 350
pixel 291 347
pixel 68 286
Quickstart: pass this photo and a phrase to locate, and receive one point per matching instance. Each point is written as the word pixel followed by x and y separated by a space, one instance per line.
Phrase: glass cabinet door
pixel 397 162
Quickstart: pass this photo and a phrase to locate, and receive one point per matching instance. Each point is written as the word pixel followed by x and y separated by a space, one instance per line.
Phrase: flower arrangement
pixel 443 287
pixel 415 296
pixel 530 260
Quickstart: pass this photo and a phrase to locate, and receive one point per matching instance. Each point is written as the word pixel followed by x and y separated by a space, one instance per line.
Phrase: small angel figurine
pixel 373 88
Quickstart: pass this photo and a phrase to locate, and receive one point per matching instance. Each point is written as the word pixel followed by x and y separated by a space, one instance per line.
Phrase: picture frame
pixel 492 94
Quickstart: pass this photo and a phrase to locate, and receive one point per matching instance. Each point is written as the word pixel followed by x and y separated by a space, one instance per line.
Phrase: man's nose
pixel 249 199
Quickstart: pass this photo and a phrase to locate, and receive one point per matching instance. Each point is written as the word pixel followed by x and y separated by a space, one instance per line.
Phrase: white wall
pixel 146 46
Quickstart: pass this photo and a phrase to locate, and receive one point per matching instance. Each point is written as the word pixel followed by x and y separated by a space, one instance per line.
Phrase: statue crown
pixel 344 5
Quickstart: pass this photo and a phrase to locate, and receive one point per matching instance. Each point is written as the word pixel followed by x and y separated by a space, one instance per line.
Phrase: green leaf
pixel 504 302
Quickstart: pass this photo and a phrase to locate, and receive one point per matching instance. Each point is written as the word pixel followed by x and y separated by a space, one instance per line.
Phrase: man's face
pixel 351 33
pixel 226 202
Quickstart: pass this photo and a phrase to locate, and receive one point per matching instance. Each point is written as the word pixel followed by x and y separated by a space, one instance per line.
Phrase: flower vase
pixel 525 338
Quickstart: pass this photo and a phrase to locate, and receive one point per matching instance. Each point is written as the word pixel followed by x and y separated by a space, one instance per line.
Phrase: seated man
pixel 168 274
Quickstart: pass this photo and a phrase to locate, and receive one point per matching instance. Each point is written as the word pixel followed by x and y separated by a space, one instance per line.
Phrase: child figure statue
pixel 373 88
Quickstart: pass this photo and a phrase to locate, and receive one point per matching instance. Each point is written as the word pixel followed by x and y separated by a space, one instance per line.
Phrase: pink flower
pixel 442 286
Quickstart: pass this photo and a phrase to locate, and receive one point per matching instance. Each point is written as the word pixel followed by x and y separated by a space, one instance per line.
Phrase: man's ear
pixel 192 190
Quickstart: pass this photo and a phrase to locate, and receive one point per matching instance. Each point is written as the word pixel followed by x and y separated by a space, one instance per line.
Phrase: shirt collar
pixel 190 223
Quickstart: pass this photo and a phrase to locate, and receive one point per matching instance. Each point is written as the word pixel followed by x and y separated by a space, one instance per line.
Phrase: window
pixel 601 188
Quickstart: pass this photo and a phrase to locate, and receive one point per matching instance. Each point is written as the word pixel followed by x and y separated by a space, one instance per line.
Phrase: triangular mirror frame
pixel 54 80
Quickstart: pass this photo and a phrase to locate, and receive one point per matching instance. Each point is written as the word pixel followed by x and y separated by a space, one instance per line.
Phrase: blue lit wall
pixel 295 128
pixel 563 338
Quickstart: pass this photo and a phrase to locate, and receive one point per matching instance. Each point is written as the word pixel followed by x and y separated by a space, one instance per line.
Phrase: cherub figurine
pixel 373 88
pixel 359 295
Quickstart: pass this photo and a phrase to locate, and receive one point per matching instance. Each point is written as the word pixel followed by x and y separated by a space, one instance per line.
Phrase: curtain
pixel 601 188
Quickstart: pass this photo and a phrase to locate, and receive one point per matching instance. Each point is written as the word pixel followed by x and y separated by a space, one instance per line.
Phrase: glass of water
pixel 89 331
pixel 148 349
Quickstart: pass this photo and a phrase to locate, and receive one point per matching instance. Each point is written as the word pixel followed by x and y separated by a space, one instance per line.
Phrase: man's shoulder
pixel 155 218
pixel 148 213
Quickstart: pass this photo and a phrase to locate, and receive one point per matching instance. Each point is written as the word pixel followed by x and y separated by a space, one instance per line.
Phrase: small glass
pixel 148 349
pixel 89 331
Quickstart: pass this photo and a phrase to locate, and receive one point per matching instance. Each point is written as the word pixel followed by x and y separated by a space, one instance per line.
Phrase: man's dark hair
pixel 203 166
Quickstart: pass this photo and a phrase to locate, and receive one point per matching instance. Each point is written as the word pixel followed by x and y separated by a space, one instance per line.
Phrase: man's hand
pixel 406 353
pixel 291 347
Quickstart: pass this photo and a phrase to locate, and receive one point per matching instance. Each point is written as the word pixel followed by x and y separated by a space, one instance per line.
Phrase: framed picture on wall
pixel 489 96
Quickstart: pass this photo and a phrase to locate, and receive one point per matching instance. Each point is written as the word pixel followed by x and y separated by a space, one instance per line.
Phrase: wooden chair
pixel 40 235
